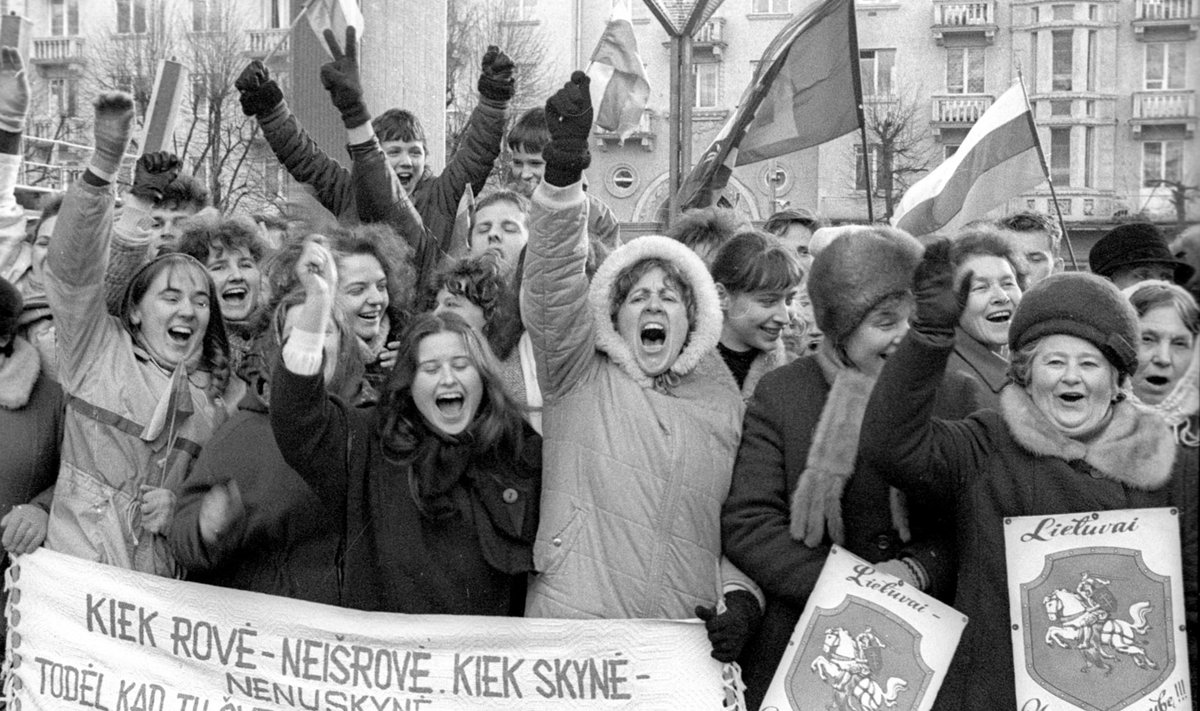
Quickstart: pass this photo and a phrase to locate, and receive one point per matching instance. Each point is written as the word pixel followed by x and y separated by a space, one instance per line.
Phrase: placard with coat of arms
pixel 867 641
pixel 1096 604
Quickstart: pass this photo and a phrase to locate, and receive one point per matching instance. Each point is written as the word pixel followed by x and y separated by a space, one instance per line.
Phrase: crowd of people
pixel 535 417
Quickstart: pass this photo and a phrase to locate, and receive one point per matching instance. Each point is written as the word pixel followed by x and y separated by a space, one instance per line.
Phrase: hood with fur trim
pixel 1136 448
pixel 703 333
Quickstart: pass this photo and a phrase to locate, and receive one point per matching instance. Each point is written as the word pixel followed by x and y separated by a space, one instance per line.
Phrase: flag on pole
pixel 334 15
pixel 158 128
pixel 804 93
pixel 999 159
pixel 620 89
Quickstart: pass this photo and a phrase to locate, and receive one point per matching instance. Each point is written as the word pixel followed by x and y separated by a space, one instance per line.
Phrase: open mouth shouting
pixel 450 405
pixel 180 336
pixel 406 178
pixel 654 337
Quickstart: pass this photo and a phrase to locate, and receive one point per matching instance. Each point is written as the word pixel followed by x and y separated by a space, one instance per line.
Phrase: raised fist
pixel 497 79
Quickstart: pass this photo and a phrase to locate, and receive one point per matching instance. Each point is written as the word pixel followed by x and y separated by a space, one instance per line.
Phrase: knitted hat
pixel 10 308
pixel 1135 243
pixel 855 272
pixel 1081 305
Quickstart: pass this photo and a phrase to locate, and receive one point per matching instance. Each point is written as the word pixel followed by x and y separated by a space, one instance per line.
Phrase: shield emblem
pixel 855 651
pixel 1097 627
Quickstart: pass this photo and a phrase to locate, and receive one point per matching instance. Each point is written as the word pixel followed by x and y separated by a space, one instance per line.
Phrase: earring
pixel 1119 397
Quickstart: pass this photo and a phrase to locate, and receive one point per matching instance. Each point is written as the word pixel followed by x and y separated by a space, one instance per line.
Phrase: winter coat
pixel 603 228
pixel 777 435
pixel 435 197
pixel 635 471
pixel 1185 496
pixel 396 560
pixel 992 465
pixel 113 443
pixel 286 544
pixel 976 361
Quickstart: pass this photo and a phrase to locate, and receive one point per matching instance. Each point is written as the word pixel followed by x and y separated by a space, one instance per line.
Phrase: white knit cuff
pixel 360 134
pixel 303 352
pixel 10 165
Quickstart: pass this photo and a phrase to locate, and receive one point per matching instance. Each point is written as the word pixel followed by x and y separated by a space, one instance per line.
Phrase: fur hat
pixel 855 272
pixel 10 308
pixel 1081 305
pixel 1132 244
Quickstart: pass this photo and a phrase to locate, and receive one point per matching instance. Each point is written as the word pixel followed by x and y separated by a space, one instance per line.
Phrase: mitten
pixel 14 91
pixel 259 92
pixel 153 174
pixel 569 119
pixel 729 631
pixel 938 304
pixel 496 81
pixel 111 130
pixel 340 78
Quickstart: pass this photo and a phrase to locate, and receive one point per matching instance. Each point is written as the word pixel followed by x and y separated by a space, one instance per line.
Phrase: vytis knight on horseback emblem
pixel 851 665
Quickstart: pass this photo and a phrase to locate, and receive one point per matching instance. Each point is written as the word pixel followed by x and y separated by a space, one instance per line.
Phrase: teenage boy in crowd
pixel 1038 238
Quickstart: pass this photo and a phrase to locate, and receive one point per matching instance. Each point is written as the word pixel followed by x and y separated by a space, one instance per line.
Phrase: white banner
pixel 1096 602
pixel 103 638
pixel 866 640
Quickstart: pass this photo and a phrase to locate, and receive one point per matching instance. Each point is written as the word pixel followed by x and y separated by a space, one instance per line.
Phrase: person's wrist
pixel 355 115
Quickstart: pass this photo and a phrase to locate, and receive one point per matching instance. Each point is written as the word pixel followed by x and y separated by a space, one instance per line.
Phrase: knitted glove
pixel 14 91
pixel 153 174
pixel 729 631
pixel 259 92
pixel 569 119
pixel 112 129
pixel 497 82
pixel 341 80
pixel 938 304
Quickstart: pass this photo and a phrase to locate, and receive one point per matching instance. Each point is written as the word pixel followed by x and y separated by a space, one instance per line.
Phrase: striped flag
pixel 999 159
pixel 335 15
pixel 804 93
pixel 620 89
pixel 158 129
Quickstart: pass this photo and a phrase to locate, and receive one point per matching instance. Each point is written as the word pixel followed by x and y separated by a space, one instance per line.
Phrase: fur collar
pixel 18 373
pixel 705 332
pixel 1135 449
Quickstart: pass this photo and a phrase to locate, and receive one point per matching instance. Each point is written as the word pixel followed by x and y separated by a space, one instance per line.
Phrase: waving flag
pixel 804 93
pixel 620 89
pixel 334 15
pixel 999 159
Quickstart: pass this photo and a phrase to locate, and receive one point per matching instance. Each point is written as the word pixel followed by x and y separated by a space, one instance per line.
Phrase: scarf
pixel 1178 407
pixel 817 500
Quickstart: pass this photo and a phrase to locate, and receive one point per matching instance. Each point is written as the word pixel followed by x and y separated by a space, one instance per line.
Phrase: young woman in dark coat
pixel 439 484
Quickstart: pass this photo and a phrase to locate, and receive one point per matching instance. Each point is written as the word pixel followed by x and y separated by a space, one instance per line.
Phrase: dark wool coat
pixel 395 560
pixel 976 361
pixel 776 438
pixel 288 540
pixel 1185 495
pixel 994 465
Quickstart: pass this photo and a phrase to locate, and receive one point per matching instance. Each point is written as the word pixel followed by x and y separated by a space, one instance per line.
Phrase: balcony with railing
pixel 643 135
pixel 952 111
pixel 1164 108
pixel 262 42
pixel 58 50
pixel 1167 15
pixel 954 17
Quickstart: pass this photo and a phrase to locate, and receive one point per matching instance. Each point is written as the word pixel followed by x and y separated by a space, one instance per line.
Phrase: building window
pixel 276 20
pixel 1063 47
pixel 60 96
pixel 131 17
pixel 949 150
pixel 1093 12
pixel 964 70
pixel 1089 157
pixel 1166 64
pixel 202 16
pixel 772 7
pixel 1060 157
pixel 1062 12
pixel 64 18
pixel 877 67
pixel 1091 60
pixel 621 181
pixel 706 94
pixel 860 169
pixel 1161 160
pixel 521 9
pixel 1033 59
pixel 199 95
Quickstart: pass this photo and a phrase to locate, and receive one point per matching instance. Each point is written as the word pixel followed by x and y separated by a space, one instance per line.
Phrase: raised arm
pixel 14 103
pixel 130 247
pixel 554 289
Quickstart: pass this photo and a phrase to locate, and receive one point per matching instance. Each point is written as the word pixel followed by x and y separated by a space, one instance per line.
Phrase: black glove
pixel 938 303
pixel 730 630
pixel 569 119
pixel 153 174
pixel 260 93
pixel 496 81
pixel 340 78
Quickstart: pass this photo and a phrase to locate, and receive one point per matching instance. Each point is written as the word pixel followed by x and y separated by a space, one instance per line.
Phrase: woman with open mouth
pixel 143 391
pixel 1064 439
pixel 438 484
pixel 641 419
pixel 990 277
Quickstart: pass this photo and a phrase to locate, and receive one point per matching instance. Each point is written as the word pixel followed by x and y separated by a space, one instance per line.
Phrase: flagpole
pixel 283 40
pixel 856 73
pixel 1037 142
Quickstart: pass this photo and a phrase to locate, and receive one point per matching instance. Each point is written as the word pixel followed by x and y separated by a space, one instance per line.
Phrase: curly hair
pixel 481 280
pixel 201 237
pixel 394 256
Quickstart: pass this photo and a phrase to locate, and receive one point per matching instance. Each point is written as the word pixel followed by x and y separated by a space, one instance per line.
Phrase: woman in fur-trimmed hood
pixel 1065 439
pixel 641 421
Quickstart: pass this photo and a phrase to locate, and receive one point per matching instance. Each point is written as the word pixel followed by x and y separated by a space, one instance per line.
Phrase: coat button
pixel 557 542
pixel 509 496
pixel 883 541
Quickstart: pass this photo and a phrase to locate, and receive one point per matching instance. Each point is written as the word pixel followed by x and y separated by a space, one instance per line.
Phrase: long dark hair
pixel 498 425
pixel 214 352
